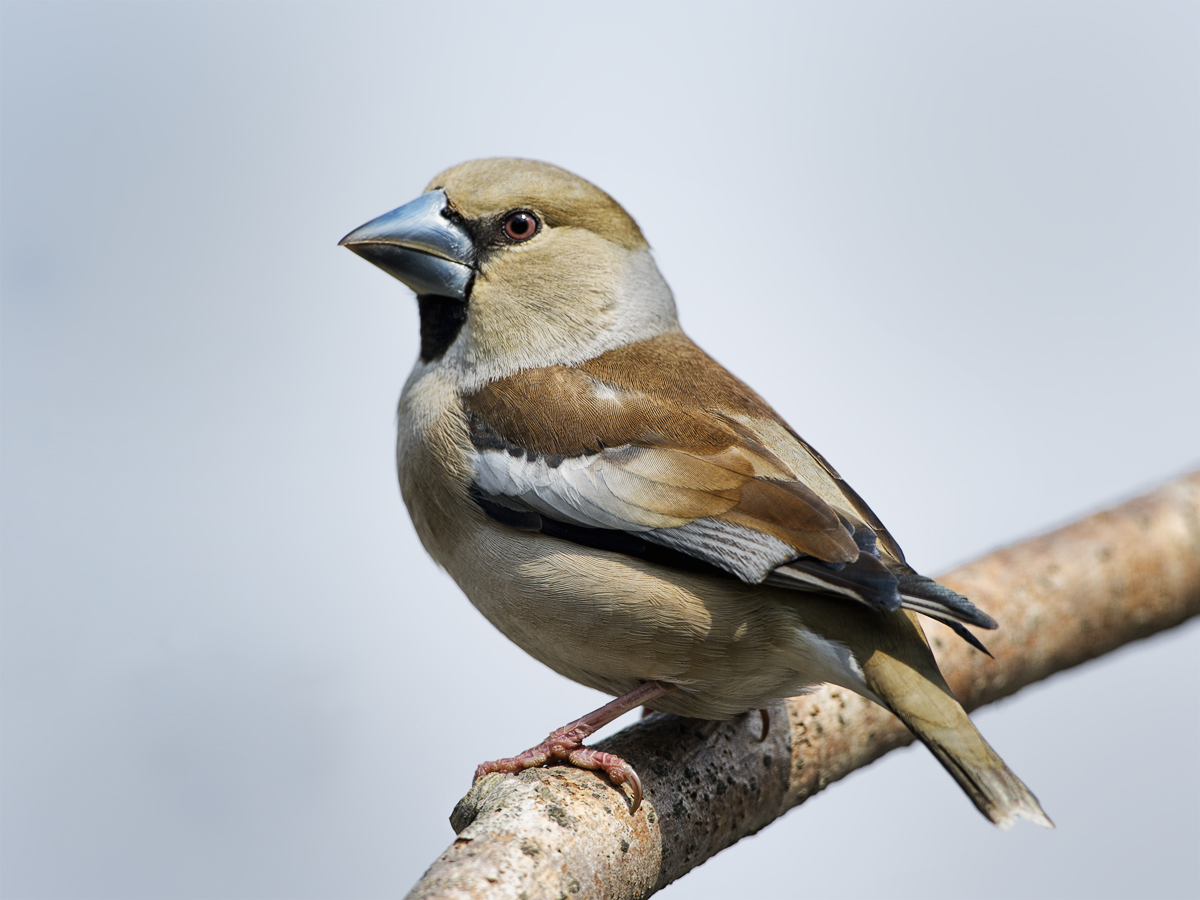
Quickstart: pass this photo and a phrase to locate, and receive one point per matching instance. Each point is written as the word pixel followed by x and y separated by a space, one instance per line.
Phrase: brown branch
pixel 1061 599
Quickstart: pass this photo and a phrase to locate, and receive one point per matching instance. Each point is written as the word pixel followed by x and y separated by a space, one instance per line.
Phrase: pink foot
pixel 566 745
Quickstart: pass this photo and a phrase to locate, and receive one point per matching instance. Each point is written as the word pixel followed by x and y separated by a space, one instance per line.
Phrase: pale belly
pixel 611 622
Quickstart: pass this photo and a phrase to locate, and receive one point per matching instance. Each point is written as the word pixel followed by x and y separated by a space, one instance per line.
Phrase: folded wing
pixel 686 468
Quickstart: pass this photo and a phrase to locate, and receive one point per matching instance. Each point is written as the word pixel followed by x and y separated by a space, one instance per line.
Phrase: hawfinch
pixel 621 506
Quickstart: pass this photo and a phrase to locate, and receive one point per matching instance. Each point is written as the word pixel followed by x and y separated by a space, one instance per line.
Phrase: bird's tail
pixel 924 702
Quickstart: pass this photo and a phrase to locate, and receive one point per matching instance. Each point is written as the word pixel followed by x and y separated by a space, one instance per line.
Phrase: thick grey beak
pixel 419 246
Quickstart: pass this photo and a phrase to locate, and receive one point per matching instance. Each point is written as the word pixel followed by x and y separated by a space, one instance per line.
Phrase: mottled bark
pixel 1060 599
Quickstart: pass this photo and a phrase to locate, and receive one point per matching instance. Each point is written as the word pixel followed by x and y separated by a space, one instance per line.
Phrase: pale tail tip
pixel 1040 818
pixel 1027 808
pixel 1030 810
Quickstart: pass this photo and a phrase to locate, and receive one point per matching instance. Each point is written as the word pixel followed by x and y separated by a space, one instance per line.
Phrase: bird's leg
pixel 566 744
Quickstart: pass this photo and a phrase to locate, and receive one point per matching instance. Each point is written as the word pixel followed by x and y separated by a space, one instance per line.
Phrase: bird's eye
pixel 521 225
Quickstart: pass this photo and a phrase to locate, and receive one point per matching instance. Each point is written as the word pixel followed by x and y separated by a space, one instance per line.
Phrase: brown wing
pixel 604 455
pixel 676 372
pixel 656 444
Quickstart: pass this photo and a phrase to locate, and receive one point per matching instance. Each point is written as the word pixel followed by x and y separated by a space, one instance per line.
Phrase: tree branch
pixel 1061 599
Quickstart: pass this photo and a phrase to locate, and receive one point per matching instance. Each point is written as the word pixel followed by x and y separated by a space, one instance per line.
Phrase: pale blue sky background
pixel 955 245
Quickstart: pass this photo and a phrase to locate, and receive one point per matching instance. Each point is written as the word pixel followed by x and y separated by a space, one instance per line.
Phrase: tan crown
pixel 484 187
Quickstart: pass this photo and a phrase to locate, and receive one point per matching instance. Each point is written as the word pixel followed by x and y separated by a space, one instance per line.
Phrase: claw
pixel 635 785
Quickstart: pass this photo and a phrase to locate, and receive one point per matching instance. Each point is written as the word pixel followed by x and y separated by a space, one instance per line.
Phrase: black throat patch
pixel 442 319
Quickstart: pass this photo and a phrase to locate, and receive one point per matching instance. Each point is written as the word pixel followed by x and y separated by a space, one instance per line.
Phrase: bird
pixel 625 509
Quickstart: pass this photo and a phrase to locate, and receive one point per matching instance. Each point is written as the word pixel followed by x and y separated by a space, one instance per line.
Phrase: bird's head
pixel 519 264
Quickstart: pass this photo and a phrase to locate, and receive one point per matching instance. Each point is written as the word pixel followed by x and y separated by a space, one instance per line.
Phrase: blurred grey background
pixel 229 670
